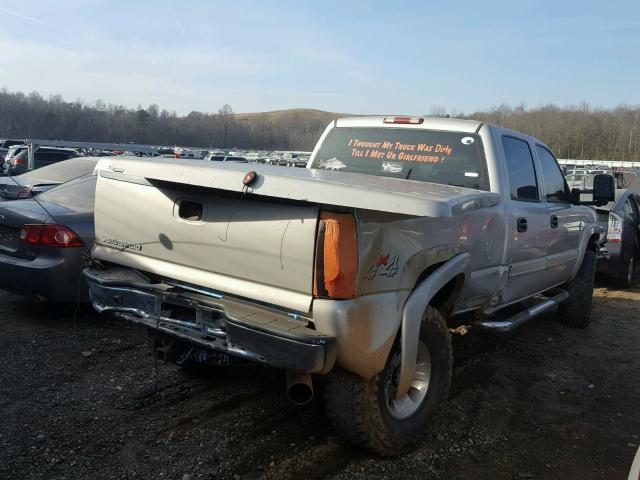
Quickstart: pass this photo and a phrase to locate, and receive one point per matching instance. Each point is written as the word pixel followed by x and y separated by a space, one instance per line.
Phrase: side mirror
pixel 575 196
pixel 604 189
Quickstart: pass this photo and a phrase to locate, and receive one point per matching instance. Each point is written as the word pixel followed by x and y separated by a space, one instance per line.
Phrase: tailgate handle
pixel 554 221
pixel 522 224
pixel 190 210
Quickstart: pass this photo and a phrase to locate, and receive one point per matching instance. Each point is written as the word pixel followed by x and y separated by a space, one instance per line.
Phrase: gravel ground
pixel 81 397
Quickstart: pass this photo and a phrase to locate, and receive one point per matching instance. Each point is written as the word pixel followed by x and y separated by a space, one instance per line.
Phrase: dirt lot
pixel 79 398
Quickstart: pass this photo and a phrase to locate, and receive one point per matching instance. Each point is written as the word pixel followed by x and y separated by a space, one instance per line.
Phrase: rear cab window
pixel 443 157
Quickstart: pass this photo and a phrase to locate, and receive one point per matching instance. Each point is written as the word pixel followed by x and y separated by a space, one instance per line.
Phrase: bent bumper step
pixel 512 323
pixel 246 330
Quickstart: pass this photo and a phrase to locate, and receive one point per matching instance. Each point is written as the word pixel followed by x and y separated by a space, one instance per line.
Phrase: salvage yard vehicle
pixel 357 268
pixel 38 181
pixel 43 244
pixel 17 158
pixel 5 145
pixel 225 158
pixel 621 222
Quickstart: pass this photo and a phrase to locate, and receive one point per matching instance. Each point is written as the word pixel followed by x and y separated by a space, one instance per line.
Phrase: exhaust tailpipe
pixel 299 387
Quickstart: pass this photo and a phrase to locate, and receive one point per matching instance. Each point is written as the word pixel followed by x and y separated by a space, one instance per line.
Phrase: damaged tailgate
pixel 207 237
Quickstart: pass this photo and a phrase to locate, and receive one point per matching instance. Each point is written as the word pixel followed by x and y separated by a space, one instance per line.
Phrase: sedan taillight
pixel 50 236
pixel 614 233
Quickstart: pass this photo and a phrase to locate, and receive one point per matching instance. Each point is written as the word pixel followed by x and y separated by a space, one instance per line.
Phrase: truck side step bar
pixel 512 323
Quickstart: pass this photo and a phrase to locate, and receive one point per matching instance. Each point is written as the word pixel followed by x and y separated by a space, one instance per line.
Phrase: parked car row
pixel 16 160
pixel 5 145
pixel 38 181
pixel 225 158
pixel 14 155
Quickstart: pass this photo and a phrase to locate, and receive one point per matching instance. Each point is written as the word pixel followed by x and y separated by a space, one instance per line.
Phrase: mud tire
pixel 576 310
pixel 357 408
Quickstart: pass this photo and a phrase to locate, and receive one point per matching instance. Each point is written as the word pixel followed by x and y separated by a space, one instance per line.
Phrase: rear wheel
pixel 367 412
pixel 576 310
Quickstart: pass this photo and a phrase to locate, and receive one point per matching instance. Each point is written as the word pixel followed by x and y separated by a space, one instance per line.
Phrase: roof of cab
pixel 429 123
pixel 433 123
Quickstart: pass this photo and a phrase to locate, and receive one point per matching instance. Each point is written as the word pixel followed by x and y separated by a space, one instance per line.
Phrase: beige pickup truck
pixel 356 268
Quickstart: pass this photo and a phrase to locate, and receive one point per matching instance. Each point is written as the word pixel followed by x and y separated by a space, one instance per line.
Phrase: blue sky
pixel 344 56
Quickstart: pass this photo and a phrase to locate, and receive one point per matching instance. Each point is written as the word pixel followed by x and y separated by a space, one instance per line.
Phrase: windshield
pixel 448 158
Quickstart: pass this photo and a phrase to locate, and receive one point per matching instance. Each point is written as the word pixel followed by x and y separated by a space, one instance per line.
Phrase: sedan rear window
pixel 448 158
pixel 60 171
pixel 78 193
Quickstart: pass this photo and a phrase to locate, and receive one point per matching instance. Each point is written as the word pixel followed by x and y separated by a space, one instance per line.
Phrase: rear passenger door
pixel 528 222
pixel 565 223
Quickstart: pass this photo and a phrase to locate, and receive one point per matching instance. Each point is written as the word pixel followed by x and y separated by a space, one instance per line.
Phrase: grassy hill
pixel 291 116
pixel 299 128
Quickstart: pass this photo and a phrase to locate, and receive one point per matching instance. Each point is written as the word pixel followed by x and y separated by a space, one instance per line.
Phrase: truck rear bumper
pixel 238 328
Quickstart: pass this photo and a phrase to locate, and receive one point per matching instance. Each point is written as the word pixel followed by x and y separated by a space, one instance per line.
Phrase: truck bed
pixel 353 190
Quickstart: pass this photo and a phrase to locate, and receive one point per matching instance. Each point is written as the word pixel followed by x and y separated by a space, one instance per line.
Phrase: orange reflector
pixel 404 120
pixel 336 266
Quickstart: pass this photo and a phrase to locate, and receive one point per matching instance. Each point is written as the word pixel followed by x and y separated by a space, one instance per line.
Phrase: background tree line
pixel 576 131
pixel 32 116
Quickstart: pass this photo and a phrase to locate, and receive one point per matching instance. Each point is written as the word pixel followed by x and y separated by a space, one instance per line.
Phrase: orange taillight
pixel 336 267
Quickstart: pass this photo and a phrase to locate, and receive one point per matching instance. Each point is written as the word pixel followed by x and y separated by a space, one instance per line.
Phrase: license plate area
pixel 210 322
pixel 9 239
